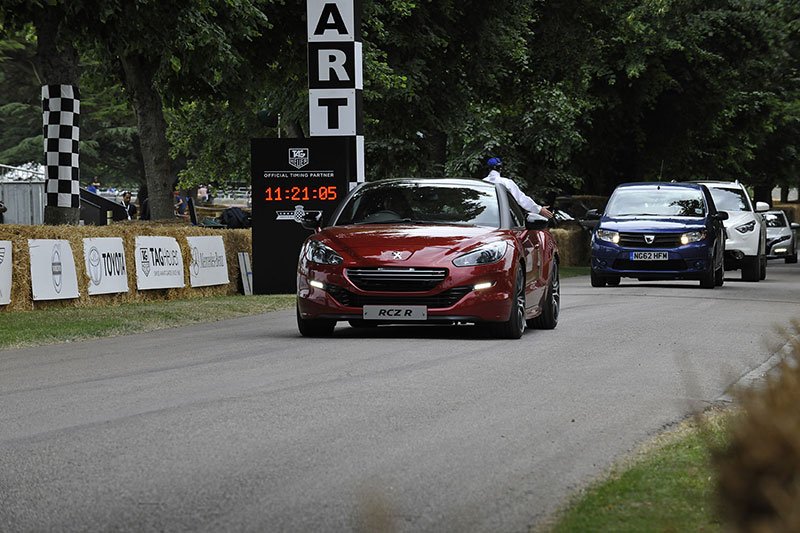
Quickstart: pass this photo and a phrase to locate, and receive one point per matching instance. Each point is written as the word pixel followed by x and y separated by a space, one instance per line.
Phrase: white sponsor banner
pixel 5 272
pixel 53 275
pixel 105 265
pixel 159 263
pixel 209 266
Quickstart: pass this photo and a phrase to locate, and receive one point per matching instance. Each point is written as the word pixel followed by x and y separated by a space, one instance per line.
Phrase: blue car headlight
pixel 316 252
pixel 608 235
pixel 483 255
pixel 693 236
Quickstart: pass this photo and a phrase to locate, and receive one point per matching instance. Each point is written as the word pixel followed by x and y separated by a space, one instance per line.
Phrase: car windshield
pixel 730 199
pixel 421 203
pixel 775 220
pixel 656 201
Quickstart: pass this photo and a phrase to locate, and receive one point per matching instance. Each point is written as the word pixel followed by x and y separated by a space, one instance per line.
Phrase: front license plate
pixel 649 256
pixel 395 312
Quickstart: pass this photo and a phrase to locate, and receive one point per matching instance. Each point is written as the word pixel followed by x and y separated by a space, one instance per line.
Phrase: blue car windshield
pixel 656 201
pixel 421 203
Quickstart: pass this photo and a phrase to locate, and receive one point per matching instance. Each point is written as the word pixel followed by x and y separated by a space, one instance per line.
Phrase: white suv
pixel 745 245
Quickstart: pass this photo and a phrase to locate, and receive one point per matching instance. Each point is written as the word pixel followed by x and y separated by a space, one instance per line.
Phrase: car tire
pixel 597 280
pixel 751 268
pixel 514 327
pixel 551 304
pixel 708 280
pixel 613 281
pixel 762 272
pixel 310 327
pixel 791 258
pixel 719 275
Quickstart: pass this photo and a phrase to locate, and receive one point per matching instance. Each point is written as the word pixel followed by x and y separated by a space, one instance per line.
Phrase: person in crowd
pixel 93 187
pixel 130 207
pixel 180 205
pixel 526 202
pixel 202 194
pixel 3 209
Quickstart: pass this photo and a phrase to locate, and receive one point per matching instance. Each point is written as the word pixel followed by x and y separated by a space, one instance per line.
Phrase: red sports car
pixel 428 251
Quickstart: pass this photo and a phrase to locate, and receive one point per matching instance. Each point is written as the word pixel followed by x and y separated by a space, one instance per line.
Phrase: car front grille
pixel 674 265
pixel 444 299
pixel 393 279
pixel 660 240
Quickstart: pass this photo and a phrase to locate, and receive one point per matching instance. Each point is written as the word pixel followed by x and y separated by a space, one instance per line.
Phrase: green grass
pixel 667 487
pixel 572 271
pixel 47 326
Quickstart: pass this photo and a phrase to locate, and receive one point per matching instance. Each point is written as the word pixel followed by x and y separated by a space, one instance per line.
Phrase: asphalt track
pixel 242 425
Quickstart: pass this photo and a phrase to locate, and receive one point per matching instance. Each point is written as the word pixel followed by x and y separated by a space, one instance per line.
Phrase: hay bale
pixel 573 245
pixel 238 240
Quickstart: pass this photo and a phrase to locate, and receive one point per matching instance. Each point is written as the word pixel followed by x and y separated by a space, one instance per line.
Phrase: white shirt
pixel 524 201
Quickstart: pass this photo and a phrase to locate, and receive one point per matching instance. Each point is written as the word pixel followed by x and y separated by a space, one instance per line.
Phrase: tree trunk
pixel 58 63
pixel 784 193
pixel 148 107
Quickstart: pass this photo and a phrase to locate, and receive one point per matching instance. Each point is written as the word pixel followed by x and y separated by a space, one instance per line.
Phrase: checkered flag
pixel 60 113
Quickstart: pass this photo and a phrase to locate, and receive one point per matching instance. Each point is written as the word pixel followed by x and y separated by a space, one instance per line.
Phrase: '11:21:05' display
pixel 296 193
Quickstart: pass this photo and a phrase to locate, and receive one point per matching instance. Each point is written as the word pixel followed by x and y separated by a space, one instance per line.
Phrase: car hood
pixel 408 244
pixel 653 224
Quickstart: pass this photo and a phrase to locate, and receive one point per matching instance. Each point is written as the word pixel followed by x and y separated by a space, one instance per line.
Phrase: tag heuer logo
pixel 298 157
pixel 145 261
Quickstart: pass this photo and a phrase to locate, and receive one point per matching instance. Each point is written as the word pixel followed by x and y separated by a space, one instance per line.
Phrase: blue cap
pixel 494 162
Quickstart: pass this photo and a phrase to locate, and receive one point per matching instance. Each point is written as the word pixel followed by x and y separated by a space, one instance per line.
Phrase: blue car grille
pixel 673 265
pixel 660 240
pixel 393 279
pixel 447 298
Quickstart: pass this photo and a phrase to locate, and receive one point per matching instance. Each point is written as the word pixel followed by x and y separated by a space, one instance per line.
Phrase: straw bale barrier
pixel 573 244
pixel 236 240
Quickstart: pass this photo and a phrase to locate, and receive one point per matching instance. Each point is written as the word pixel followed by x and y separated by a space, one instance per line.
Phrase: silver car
pixel 781 240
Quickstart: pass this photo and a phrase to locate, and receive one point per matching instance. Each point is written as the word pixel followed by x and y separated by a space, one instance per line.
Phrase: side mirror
pixel 721 215
pixel 761 207
pixel 537 224
pixel 794 225
pixel 593 214
pixel 311 221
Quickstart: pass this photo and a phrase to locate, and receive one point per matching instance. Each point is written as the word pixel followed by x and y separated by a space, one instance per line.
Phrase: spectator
pixel 202 194
pixel 3 209
pixel 130 208
pixel 180 205
pixel 94 187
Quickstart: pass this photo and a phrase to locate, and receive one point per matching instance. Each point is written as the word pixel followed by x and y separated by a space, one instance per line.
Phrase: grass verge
pixel 666 486
pixel 48 326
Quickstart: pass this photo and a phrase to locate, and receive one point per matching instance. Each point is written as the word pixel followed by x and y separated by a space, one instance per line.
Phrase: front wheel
pixel 751 268
pixel 597 280
pixel 514 327
pixel 551 304
pixel 719 275
pixel 708 279
pixel 791 258
pixel 310 327
pixel 762 272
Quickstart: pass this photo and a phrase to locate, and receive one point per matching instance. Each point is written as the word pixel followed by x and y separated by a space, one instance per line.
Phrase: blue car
pixel 659 231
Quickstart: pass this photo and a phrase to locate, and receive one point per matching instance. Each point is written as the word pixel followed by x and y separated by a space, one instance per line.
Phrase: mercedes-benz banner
pixel 159 263
pixel 5 272
pixel 209 266
pixel 105 265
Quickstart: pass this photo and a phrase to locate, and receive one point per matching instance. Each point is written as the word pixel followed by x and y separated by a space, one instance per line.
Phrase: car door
pixel 532 250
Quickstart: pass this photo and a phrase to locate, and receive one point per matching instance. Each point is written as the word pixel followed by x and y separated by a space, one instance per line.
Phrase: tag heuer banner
pixel 292 178
pixel 159 263
pixel 53 275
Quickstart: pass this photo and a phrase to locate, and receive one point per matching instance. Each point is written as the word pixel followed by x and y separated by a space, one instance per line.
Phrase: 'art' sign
pixel 335 72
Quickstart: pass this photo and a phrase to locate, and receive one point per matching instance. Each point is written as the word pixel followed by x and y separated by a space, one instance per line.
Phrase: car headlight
pixel 317 252
pixel 488 253
pixel 608 235
pixel 746 228
pixel 693 236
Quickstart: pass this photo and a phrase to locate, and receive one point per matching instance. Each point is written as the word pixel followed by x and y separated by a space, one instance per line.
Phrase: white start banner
pixel 105 265
pixel 209 266
pixel 5 272
pixel 159 263
pixel 53 275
